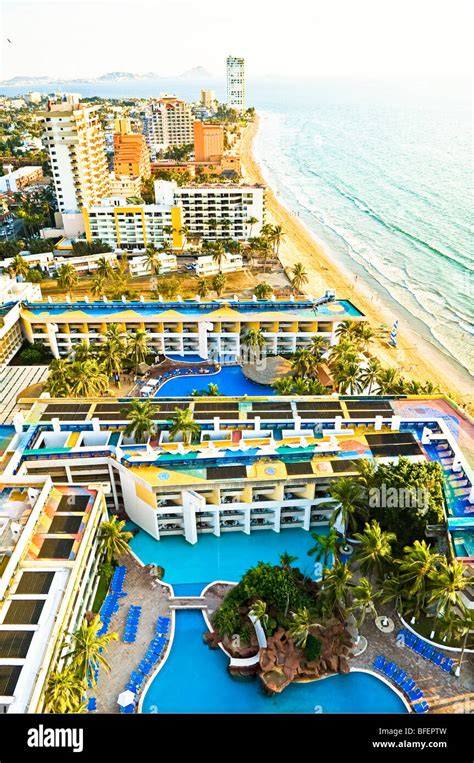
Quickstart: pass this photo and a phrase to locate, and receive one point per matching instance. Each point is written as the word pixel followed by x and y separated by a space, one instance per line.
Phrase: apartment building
pixel 210 329
pixel 15 180
pixel 208 142
pixel 208 266
pixel 131 154
pixel 169 122
pixel 208 99
pixel 138 265
pixel 216 211
pixel 134 226
pixel 236 83
pixel 48 579
pixel 11 336
pixel 75 141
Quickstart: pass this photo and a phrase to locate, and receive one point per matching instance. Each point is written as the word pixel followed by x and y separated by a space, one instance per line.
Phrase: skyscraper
pixel 168 123
pixel 236 83
pixel 75 140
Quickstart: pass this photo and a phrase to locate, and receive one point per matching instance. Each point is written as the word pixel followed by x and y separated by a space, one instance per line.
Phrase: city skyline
pixel 419 38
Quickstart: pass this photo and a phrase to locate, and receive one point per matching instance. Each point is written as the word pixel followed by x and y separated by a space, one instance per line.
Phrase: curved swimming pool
pixel 230 380
pixel 194 679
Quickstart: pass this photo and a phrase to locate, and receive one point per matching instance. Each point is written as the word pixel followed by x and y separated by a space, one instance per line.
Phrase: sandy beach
pixel 414 357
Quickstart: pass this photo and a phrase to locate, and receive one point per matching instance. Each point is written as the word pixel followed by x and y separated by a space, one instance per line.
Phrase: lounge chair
pixel 437 658
pixel 447 665
pixel 408 685
pixel 379 662
pixel 400 677
pixel 421 707
pixel 415 694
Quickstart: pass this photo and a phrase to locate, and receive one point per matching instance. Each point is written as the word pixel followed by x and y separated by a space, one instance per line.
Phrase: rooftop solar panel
pixel 56 548
pixel 24 612
pixel 300 467
pixel 216 406
pixel 9 675
pixel 396 449
pixel 323 405
pixel 313 414
pixel 270 414
pixel 343 465
pixel 74 503
pixel 368 404
pixel 35 582
pixel 67 525
pixel 204 415
pixel 271 405
pixel 226 472
pixel 15 644
pixel 386 438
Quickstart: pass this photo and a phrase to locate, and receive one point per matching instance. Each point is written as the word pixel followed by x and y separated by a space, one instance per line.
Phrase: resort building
pixel 236 83
pixel 75 141
pixel 257 463
pixel 210 329
pixel 215 212
pixel 48 579
pixel 169 122
pixel 11 336
pixel 15 180
pixel 208 266
pixel 131 155
pixel 12 290
pixel 208 142
pixel 125 186
pixel 138 264
pixel 134 226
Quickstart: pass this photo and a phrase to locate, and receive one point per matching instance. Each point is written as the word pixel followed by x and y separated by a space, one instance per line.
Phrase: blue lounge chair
pixel 400 677
pixel 390 669
pixel 128 709
pixel 379 662
pixel 91 704
pixel 437 658
pixel 447 665
pixel 408 685
pixel 428 651
pixel 415 694
pixel 421 707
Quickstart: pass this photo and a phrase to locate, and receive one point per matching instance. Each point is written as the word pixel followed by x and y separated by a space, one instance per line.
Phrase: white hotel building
pixel 236 83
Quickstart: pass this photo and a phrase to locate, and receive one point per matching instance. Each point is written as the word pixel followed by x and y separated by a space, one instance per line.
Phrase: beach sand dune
pixel 414 357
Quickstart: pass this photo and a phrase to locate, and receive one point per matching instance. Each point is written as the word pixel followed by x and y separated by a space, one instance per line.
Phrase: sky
pixel 377 38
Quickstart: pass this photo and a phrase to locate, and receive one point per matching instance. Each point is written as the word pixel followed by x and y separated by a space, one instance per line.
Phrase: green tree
pixel 183 424
pixel 114 540
pixel 202 288
pixel 65 692
pixel 364 596
pixel 67 278
pixel 88 652
pixel 351 506
pixel 137 347
pixel 104 268
pixel 326 546
pixel 336 589
pixel 251 221
pixel 263 291
pixel 218 283
pixel 375 551
pixel 369 375
pixel 87 379
pixel 19 266
pixel 448 582
pixel 303 623
pixel 254 340
pixel 152 260
pixel 286 560
pixel 140 417
pixel 416 568
pixel 299 277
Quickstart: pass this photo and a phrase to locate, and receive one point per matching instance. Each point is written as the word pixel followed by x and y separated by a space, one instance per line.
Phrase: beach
pixel 414 356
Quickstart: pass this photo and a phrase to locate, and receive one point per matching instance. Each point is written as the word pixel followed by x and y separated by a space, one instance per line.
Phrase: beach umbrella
pixel 126 698
pixel 393 333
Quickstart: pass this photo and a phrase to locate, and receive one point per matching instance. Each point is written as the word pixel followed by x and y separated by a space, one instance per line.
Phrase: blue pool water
pixel 224 558
pixel 194 679
pixel 230 380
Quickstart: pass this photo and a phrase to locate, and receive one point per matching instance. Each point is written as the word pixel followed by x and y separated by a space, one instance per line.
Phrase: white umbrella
pixel 126 698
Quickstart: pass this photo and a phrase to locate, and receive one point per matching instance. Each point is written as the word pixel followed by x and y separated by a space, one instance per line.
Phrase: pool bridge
pixel 187 602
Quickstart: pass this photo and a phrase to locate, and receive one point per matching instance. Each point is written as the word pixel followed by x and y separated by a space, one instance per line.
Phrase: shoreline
pixel 414 356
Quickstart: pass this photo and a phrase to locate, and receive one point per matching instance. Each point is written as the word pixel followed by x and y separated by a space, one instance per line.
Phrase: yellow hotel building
pixel 134 226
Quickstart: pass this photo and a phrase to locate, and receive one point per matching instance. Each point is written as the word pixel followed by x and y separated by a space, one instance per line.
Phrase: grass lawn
pixel 425 626
pixel 102 589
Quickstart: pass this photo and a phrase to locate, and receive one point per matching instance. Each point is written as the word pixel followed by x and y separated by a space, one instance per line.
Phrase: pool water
pixel 194 679
pixel 230 380
pixel 224 558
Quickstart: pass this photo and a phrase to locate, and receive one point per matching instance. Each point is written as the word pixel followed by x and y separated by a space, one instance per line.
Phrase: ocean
pixel 381 173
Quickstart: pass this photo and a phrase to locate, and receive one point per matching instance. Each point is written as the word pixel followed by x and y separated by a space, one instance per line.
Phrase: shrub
pixel 313 648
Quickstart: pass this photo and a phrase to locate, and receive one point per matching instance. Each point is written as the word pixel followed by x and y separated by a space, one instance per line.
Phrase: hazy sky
pixel 67 38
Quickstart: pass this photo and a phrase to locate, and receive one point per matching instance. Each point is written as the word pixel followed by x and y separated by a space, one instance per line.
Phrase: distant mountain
pixel 197 72
pixel 118 76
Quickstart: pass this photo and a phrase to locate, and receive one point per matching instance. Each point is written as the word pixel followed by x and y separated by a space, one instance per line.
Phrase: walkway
pixel 144 590
pixel 187 602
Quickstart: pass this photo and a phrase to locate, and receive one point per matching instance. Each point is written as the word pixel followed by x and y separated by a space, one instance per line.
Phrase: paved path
pixel 123 658
pixel 14 379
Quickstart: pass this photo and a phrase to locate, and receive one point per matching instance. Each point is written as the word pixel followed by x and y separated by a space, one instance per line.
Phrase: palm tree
pixel 364 595
pixel 369 375
pixel 98 285
pixel 276 237
pixel 168 230
pixel 387 380
pixel 344 352
pixel 113 539
pixel 326 545
pixel 115 333
pixel 454 627
pixel 212 390
pixel 89 648
pixel 184 233
pixel 350 499
pixel 254 340
pixel 67 278
pixel 140 417
pixel 19 266
pixel 303 622
pixel 112 353
pixel 263 291
pixel 104 268
pixel 283 386
pixel 202 288
pixel 152 260
pixel 336 588
pixel 184 424
pixel 58 380
pixel 286 560
pixel 304 363
pixel 219 255
pixel 218 283
pixel 416 569
pixel 251 221
pixel 347 330
pixel 347 377
pixel 65 692
pixel 82 352
pixel 375 550
pixel 137 347
pixel 259 612
pixel 299 277
pixel 365 335
pixel 447 584
pixel 87 379
pixel 318 346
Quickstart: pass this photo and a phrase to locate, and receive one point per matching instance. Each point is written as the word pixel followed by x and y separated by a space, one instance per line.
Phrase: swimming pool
pixel 194 679
pixel 230 380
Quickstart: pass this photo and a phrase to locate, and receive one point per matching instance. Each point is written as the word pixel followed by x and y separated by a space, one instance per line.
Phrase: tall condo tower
pixel 75 140
pixel 236 83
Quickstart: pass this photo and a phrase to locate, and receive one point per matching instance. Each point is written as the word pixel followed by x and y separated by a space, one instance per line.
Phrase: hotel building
pixel 134 226
pixel 208 266
pixel 208 99
pixel 75 141
pixel 208 142
pixel 236 83
pixel 169 122
pixel 131 155
pixel 257 463
pixel 48 579
pixel 15 180
pixel 215 212
pixel 209 329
